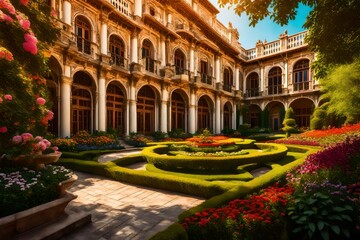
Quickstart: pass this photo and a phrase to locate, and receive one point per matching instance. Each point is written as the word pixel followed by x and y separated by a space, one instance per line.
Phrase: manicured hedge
pixel 91 155
pixel 155 155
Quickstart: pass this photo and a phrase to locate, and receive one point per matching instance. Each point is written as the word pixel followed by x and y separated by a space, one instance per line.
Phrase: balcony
pixel 83 45
pixel 227 87
pixel 205 78
pixel 122 6
pixel 275 89
pixel 119 61
pixel 301 86
pixel 150 65
pixel 253 92
pixel 181 71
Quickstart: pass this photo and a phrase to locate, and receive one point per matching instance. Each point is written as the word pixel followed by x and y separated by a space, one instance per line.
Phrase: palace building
pixel 158 65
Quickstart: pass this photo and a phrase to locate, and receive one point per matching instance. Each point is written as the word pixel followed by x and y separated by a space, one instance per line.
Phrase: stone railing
pixel 296 40
pixel 122 6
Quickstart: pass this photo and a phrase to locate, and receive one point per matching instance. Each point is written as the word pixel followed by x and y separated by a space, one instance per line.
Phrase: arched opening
pixel 53 84
pixel 254 116
pixel 148 56
pixel 115 108
pixel 303 109
pixel 146 110
pixel 205 72
pixel 274 81
pixel 252 86
pixel 227 116
pixel 228 79
pixel 301 75
pixel 178 111
pixel 117 50
pixel 179 61
pixel 276 112
pixel 83 34
pixel 81 114
pixel 204 113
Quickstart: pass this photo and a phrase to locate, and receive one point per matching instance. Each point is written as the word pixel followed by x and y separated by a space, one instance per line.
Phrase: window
pixel 274 81
pixel 147 55
pixel 146 110
pixel 301 75
pixel 203 114
pixel 115 107
pixel 117 49
pixel 179 62
pixel 253 85
pixel 177 111
pixel 228 80
pixel 83 34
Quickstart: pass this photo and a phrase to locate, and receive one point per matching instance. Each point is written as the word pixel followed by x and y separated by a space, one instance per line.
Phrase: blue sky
pixel 266 29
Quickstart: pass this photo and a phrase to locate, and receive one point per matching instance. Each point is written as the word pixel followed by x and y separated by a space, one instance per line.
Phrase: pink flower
pixel 25 24
pixel 38 138
pixel 55 149
pixel 8 97
pixel 41 146
pixel 17 139
pixel 3 129
pixel 24 2
pixel 50 115
pixel 6 18
pixel 40 101
pixel 30 43
pixel 26 137
pixel 46 142
pixel 6 4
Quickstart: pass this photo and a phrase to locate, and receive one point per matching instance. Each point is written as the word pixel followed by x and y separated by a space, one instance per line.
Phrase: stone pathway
pixel 124 211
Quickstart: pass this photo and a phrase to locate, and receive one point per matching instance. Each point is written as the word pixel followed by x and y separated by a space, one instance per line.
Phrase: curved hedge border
pixel 155 155
pixel 176 231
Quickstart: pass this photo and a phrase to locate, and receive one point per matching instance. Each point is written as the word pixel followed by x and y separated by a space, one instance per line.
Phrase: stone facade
pixel 146 65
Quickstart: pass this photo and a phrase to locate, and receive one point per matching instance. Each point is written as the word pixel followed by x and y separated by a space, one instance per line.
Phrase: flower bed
pixel 318 200
pixel 22 188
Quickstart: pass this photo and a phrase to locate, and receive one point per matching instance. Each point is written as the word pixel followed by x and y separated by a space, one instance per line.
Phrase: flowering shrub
pixel 137 140
pixel 251 218
pixel 64 144
pixel 28 146
pixel 21 189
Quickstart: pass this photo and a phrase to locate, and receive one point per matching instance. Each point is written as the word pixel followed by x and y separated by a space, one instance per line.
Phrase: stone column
pixel 217 115
pixel 192 109
pixel 138 8
pixel 262 79
pixel 163 51
pixel 164 103
pixel 67 12
pixel 132 109
pixel 102 103
pixel 233 124
pixel 103 38
pixel 65 106
pixel 192 59
pixel 217 68
pixel 286 75
pixel 237 80
pixel 134 47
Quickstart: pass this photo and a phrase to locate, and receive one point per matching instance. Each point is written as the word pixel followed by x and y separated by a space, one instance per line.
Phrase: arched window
pixel 179 62
pixel 227 116
pixel 148 56
pixel 83 34
pixel 81 103
pixel 274 81
pixel 203 114
pixel 301 75
pixel 146 110
pixel 205 72
pixel 177 111
pixel 115 107
pixel 252 85
pixel 117 49
pixel 228 79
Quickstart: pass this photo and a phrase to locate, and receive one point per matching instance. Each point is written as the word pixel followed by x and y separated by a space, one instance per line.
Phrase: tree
pixel 334 26
pixel 289 122
pixel 341 87
pixel 26 31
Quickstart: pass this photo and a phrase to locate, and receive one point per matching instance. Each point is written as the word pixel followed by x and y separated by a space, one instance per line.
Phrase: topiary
pixel 289 122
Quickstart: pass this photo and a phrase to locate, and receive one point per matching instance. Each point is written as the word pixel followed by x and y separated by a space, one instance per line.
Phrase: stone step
pixel 55 230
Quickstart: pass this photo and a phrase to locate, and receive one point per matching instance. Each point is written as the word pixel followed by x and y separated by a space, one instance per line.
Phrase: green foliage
pixel 316 124
pixel 320 217
pixel 289 122
pixel 342 88
pixel 159 135
pixel 173 232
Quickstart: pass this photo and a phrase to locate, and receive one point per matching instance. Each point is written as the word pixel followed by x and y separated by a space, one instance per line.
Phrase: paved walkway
pixel 124 211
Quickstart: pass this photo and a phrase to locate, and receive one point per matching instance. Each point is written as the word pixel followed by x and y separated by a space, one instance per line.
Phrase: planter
pixel 66 184
pixel 36 162
pixel 23 221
